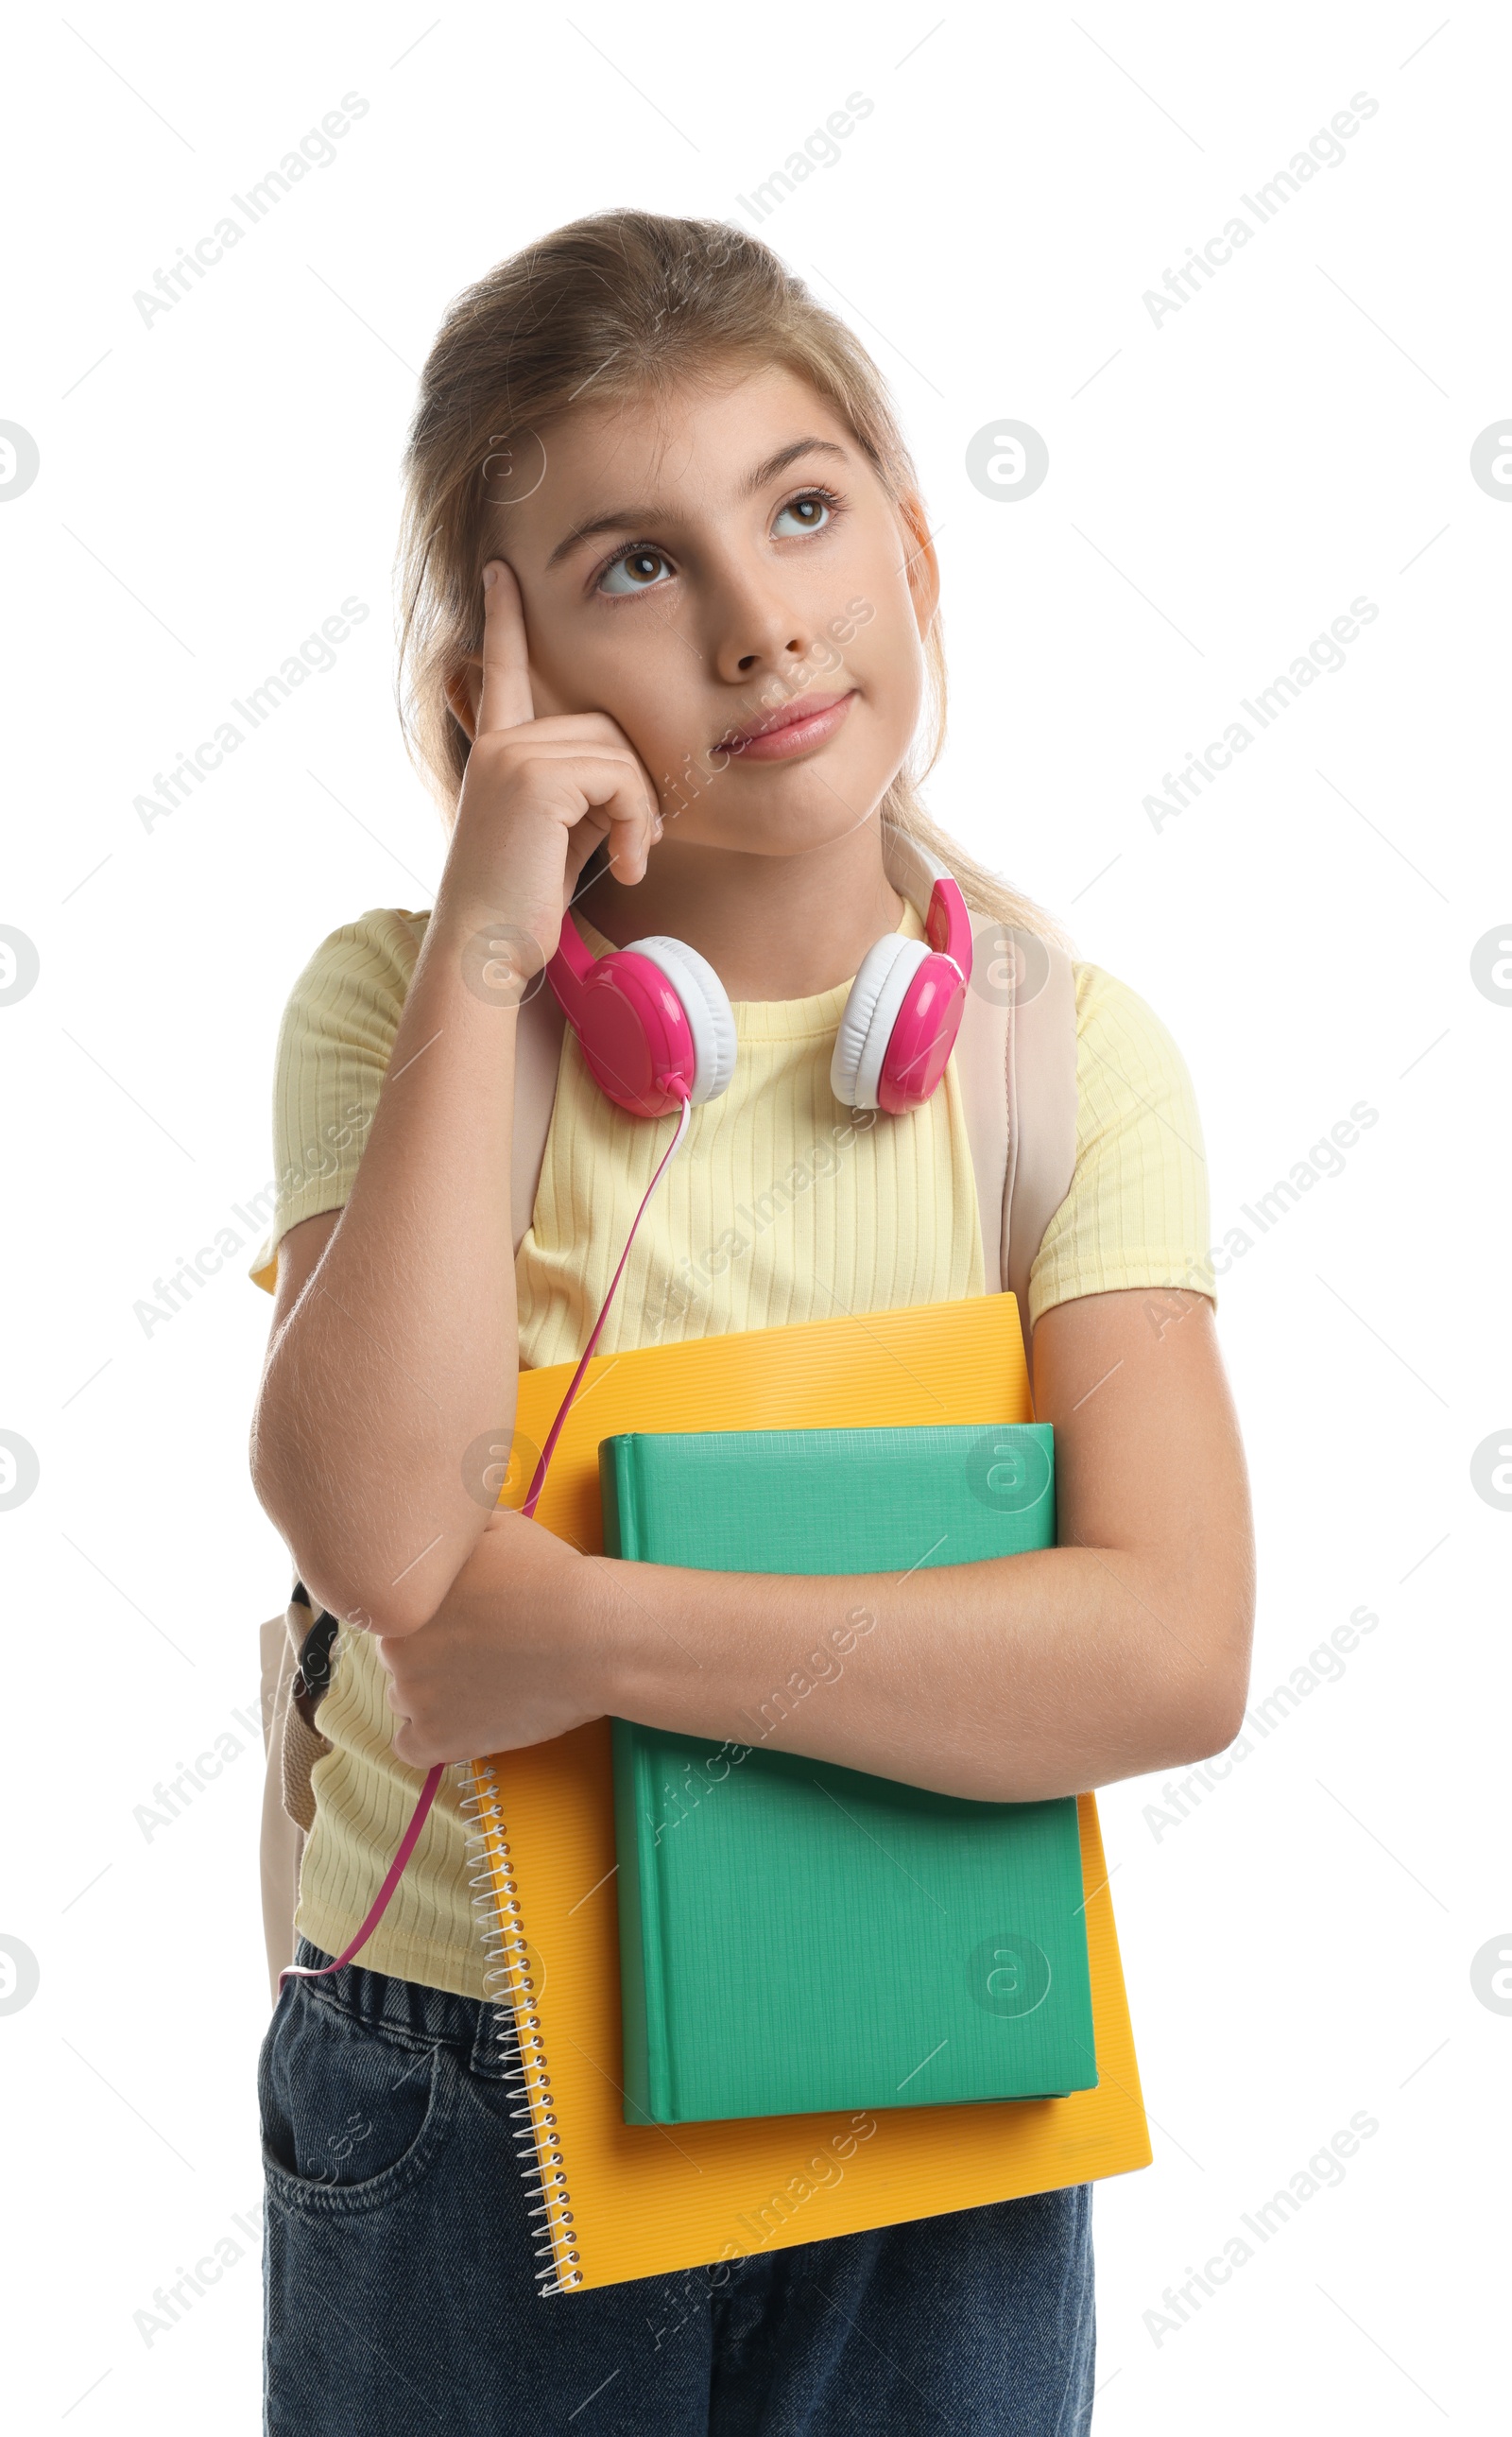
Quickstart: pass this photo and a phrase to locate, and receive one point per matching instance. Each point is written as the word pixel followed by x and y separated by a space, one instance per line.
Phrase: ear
pixel 464 691
pixel 922 567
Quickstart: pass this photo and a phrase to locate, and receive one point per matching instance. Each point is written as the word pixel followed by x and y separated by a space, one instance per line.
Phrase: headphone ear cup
pixel 865 1028
pixel 706 1006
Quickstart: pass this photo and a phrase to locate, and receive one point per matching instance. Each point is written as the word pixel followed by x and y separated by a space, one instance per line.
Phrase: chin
pixel 789 821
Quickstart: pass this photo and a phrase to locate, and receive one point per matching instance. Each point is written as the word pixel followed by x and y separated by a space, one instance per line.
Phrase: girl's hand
pixel 512 1655
pixel 539 795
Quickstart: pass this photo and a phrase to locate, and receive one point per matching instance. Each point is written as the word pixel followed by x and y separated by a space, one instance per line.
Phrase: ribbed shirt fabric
pixel 781 1207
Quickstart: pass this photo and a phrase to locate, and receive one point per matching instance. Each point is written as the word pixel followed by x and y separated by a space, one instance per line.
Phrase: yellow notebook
pixel 621 2201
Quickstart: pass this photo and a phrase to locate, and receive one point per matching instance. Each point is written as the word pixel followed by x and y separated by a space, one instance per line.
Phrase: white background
pixel 1220 486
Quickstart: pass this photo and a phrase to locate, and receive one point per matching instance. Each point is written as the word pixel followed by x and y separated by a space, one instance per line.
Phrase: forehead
pixel 693 444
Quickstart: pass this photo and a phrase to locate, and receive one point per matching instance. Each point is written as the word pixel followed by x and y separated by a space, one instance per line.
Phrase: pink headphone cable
pixel 428 1794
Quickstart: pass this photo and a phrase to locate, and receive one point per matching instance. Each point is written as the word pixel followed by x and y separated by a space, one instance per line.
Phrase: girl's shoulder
pixel 378 948
pixel 1122 1046
pixel 334 1046
pixel 1136 1214
pixel 350 991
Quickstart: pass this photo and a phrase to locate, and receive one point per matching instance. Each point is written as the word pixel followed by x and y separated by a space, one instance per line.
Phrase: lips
pixel 811 711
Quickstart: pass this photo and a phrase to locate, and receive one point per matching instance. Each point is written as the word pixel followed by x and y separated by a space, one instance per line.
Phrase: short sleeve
pixel 334 1046
pixel 1137 1211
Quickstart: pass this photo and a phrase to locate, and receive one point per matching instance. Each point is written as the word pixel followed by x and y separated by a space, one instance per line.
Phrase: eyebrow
pixel 619 519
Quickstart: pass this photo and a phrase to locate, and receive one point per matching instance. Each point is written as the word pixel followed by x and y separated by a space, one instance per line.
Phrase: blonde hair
pixel 631 303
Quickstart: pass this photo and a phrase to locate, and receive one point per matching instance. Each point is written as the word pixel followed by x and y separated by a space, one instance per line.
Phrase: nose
pixel 757 632
pixel 793 648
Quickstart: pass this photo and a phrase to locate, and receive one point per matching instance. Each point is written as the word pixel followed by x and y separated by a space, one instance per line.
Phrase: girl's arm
pixel 1122 1650
pixel 393 1341
pixel 391 1368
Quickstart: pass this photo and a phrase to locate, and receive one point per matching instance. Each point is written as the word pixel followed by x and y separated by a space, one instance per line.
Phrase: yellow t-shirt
pixel 781 1207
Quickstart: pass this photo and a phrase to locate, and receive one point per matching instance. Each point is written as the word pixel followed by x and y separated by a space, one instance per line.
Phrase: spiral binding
pixel 509 1989
pixel 507 1981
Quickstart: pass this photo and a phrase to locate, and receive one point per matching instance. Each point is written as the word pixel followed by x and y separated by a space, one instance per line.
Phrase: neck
pixel 773 926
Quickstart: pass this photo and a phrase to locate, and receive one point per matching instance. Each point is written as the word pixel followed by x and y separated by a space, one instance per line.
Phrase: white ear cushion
pixel 710 1016
pixel 871 1011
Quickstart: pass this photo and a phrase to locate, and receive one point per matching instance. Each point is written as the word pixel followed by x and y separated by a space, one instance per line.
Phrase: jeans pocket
pixel 351 2117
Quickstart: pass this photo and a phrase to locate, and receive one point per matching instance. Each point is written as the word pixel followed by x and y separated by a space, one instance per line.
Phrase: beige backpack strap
pixel 281 1842
pixel 1015 1061
pixel 539 1029
pixel 983 1064
pixel 1041 1110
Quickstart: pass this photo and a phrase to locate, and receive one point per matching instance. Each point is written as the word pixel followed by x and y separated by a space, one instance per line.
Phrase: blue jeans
pixel 400 2273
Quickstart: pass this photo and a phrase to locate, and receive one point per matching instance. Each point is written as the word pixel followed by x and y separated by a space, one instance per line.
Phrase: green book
pixel 796 1937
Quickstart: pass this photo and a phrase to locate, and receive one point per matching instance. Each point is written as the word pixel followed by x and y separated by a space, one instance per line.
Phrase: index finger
pixel 506 700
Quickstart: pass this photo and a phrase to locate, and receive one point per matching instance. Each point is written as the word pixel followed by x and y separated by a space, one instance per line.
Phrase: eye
pixel 637 566
pixel 640 567
pixel 811 513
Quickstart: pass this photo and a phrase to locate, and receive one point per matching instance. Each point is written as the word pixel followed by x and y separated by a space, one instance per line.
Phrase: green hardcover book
pixel 797 1937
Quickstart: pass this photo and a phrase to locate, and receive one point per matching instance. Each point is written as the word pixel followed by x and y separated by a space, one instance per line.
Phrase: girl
pixel 670 629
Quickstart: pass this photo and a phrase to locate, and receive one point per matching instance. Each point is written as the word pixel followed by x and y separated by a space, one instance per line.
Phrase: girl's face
pixel 724 576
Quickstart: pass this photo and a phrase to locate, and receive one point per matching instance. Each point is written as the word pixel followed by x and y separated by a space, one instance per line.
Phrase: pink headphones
pixel 656 1027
